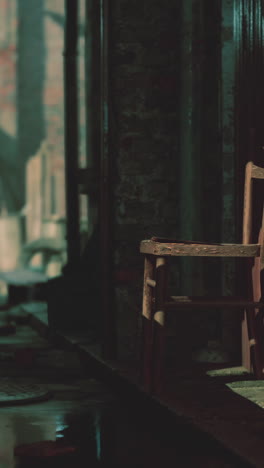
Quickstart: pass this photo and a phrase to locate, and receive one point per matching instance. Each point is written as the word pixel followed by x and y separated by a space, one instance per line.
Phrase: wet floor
pixel 62 431
pixel 74 429
pixel 84 424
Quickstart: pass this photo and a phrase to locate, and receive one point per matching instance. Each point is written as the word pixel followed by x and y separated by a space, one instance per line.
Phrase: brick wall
pixel 166 104
pixel 144 107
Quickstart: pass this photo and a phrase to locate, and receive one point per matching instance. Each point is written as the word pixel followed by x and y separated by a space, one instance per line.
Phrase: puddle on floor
pixel 83 425
pixel 51 428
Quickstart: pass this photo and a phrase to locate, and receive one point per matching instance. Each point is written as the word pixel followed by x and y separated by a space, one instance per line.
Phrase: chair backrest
pixel 252 172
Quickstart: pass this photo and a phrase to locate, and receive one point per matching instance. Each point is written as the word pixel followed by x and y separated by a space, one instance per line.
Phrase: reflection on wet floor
pixel 83 424
pixel 70 418
pixel 79 429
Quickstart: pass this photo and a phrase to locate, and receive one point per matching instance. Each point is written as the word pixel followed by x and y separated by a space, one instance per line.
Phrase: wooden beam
pixel 199 250
pixel 71 130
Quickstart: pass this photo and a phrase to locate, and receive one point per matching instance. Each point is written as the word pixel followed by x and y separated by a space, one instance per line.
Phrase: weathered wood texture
pixel 257 172
pixel 247 211
pixel 198 249
pixel 147 305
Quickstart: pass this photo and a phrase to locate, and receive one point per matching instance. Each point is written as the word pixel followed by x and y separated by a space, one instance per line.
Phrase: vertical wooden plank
pixel 245 344
pixel 71 131
pixel 247 210
pixel 246 238
pixel 147 291
pixel 159 325
pixel 147 325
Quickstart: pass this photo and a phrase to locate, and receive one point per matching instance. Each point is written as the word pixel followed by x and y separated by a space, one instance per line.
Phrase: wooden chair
pixel 156 303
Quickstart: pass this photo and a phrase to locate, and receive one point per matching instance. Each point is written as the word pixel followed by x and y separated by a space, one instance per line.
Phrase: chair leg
pixel 147 325
pixel 252 325
pixel 252 351
pixel 159 325
pixel 255 322
pixel 245 328
pixel 246 360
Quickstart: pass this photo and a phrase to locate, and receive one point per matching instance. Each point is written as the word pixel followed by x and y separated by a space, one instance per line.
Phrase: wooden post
pixel 71 130
pixel 246 238
pixel 147 324
pixel 159 324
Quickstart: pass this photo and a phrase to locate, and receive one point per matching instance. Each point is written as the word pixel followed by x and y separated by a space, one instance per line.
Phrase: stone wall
pixel 168 105
pixel 144 111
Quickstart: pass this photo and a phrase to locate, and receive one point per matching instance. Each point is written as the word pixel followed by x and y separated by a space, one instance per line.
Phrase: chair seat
pixel 165 247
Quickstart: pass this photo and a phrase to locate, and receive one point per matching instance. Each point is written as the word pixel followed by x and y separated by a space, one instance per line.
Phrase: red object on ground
pixel 45 448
